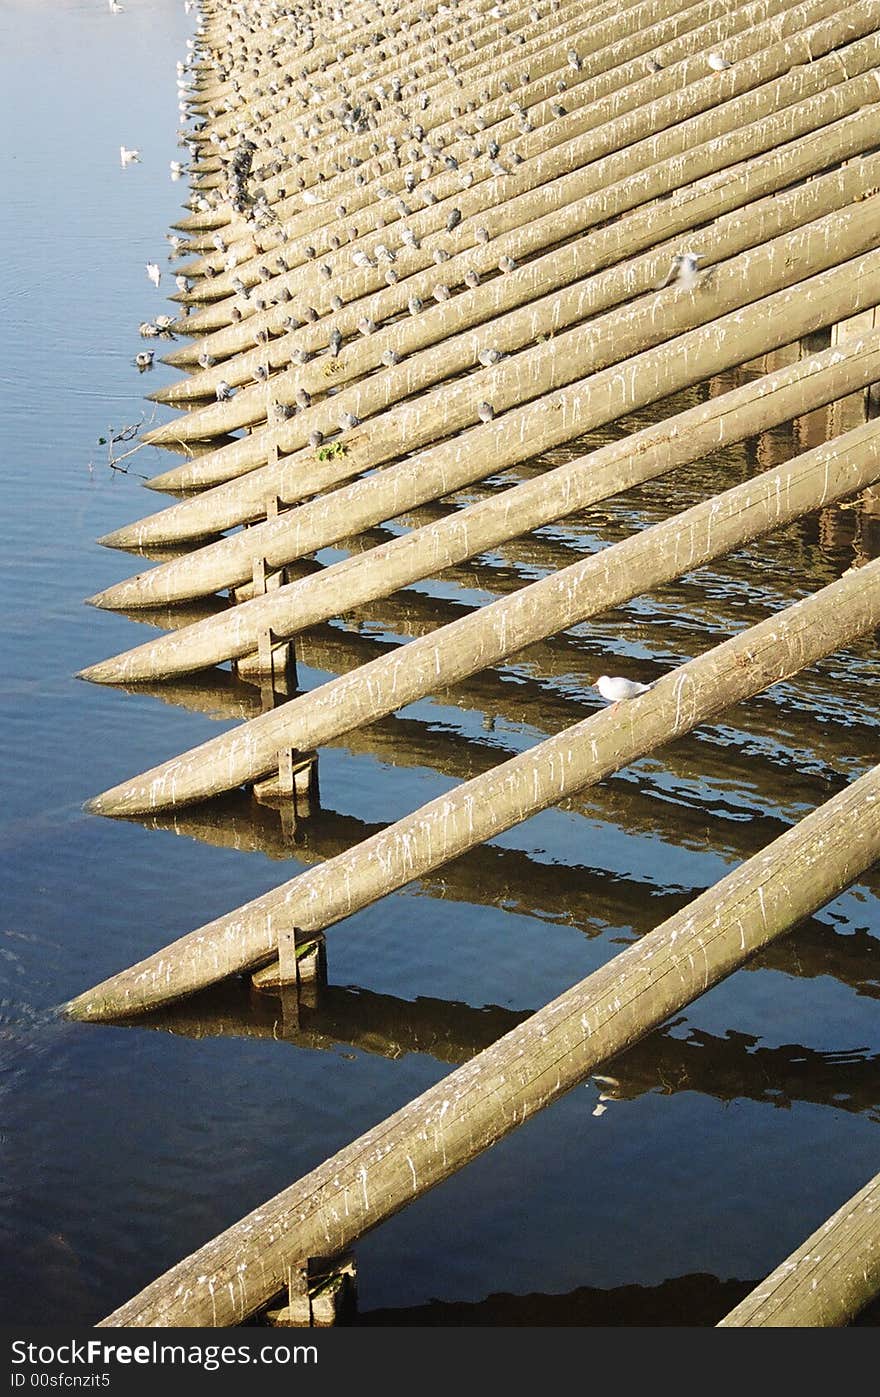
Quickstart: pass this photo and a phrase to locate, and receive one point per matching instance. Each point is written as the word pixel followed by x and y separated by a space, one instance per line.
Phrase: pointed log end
pixel 183 358
pixel 174 482
pixel 80 1008
pixel 95 674
pixel 126 537
pixel 100 600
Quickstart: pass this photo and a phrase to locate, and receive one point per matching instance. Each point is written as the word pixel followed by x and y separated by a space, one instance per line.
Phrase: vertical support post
pixel 299 1303
pixel 859 407
pixel 814 427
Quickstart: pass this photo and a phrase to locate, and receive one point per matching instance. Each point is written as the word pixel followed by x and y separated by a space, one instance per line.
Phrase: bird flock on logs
pixel 251 150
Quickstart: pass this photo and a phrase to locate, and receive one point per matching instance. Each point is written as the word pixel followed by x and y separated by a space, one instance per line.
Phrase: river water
pixel 734 1130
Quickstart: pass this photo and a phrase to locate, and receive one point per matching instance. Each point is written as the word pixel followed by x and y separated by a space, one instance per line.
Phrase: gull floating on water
pixel 144 360
pixel 128 157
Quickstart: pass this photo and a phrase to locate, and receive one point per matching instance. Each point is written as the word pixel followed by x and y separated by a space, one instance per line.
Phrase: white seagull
pixel 128 157
pixel 154 272
pixel 717 62
pixel 615 688
pixel 684 270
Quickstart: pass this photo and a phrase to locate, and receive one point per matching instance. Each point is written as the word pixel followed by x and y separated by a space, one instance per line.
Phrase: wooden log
pixel 638 30
pixel 608 246
pixel 827 1280
pixel 570 300
pixel 477 1105
pixel 743 412
pixel 494 801
pixel 561 414
pixel 621 118
pixel 482 638
pixel 552 208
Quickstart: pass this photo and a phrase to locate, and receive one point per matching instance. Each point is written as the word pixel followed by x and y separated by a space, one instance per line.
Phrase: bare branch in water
pixel 119 436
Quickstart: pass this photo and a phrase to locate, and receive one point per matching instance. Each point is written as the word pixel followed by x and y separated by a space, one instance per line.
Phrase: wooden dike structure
pixel 427 244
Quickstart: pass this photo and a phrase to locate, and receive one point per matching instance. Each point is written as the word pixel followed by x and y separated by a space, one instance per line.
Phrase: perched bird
pixel 481 235
pixel 683 269
pixel 182 283
pixel 367 326
pixel 414 305
pixel 362 259
pixel 453 220
pixel 471 279
pixel 154 273
pixel 506 264
pixel 281 411
pixel 310 197
pixel 261 373
pixel 128 157
pixel 163 323
pixel 144 359
pixel 488 357
pixel 717 62
pixel 148 329
pixel 206 360
pixel 441 292
pixel 303 398
pixel 348 419
pixel 486 412
pixel 335 342
pixel 223 391
pixel 390 357
pixel 439 255
pixel 615 689
pixel 316 437
pixel 654 64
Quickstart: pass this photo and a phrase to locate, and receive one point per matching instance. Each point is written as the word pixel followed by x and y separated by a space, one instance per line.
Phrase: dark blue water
pixel 735 1130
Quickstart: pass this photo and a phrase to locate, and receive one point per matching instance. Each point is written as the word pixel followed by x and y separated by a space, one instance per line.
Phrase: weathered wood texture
pixel 542 216
pixel 535 317
pixel 493 802
pixel 560 415
pixel 480 1103
pixel 827 1280
pixel 604 71
pixel 754 407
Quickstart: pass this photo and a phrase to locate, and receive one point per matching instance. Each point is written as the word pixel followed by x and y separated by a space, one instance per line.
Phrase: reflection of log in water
pixel 548 692
pixel 681 1301
pixel 669 1060
pixel 592 900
